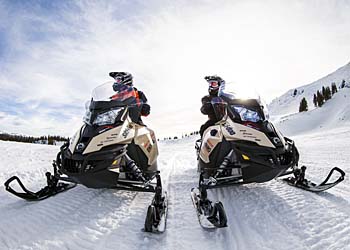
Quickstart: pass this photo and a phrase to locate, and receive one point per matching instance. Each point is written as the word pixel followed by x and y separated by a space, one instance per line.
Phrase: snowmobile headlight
pixel 247 114
pixel 108 117
pixel 87 117
pixel 80 147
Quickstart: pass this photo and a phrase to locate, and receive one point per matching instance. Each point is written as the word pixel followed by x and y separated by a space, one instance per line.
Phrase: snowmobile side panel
pixel 212 137
pixel 137 154
pixel 146 140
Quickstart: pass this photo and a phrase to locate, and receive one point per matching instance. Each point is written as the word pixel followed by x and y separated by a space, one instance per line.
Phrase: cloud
pixel 56 52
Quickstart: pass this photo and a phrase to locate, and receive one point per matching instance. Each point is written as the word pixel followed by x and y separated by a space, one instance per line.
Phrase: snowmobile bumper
pixel 53 187
pixel 299 180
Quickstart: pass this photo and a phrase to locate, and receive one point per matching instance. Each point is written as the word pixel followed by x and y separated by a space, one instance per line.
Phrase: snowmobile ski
pixel 53 187
pixel 299 180
pixel 157 212
pixel 209 216
pixel 156 220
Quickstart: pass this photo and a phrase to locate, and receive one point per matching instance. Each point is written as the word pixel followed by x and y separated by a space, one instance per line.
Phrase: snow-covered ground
pixel 335 113
pixel 261 216
pixel 267 216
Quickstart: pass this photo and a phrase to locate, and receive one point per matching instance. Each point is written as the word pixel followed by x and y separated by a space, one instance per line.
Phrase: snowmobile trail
pixel 271 215
pixel 183 229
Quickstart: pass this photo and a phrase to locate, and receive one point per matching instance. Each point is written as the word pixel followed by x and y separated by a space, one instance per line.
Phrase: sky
pixel 53 53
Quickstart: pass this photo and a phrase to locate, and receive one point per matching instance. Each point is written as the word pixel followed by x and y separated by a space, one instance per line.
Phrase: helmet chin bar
pixel 213 92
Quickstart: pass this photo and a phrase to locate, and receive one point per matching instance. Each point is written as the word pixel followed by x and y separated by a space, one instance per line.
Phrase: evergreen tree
pixel 315 100
pixel 320 99
pixel 323 91
pixel 327 94
pixel 334 88
pixel 342 84
pixel 303 105
pixel 295 92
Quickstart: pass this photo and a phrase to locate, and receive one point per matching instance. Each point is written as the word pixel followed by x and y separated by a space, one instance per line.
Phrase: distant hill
pixel 289 104
pixel 334 113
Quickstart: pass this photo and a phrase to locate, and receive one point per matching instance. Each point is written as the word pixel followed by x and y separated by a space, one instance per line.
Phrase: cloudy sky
pixel 53 53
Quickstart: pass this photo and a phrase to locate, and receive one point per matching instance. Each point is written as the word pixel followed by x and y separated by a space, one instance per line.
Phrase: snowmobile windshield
pixel 248 105
pixel 220 108
pixel 108 103
pixel 111 91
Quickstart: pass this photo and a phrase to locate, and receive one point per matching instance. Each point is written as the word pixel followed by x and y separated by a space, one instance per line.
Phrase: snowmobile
pixel 113 149
pixel 244 147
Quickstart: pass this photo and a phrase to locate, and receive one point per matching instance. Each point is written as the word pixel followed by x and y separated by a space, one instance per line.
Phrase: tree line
pixel 321 96
pixel 50 139
pixel 183 136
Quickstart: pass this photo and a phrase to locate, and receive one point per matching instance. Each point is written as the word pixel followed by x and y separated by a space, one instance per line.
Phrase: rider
pixel 207 108
pixel 124 80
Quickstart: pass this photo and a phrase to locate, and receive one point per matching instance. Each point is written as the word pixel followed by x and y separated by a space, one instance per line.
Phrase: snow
pixel 289 104
pixel 335 113
pixel 267 216
pixel 271 215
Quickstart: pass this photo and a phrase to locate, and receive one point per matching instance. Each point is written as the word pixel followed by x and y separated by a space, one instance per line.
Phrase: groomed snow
pixel 261 216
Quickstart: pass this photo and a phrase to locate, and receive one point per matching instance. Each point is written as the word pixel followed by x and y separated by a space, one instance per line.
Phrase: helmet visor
pixel 118 79
pixel 214 85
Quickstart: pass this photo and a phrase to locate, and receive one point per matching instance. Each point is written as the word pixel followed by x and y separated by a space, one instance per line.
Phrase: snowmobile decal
pixel 229 129
pixel 112 136
pixel 245 133
pixel 127 131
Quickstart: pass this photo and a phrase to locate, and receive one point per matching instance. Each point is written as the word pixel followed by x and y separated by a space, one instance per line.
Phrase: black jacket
pixel 207 108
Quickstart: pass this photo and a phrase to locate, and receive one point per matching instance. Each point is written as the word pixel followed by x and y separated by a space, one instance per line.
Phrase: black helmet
pixel 214 83
pixel 122 77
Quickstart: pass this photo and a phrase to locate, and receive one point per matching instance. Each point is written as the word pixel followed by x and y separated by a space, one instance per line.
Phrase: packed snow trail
pixel 271 215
